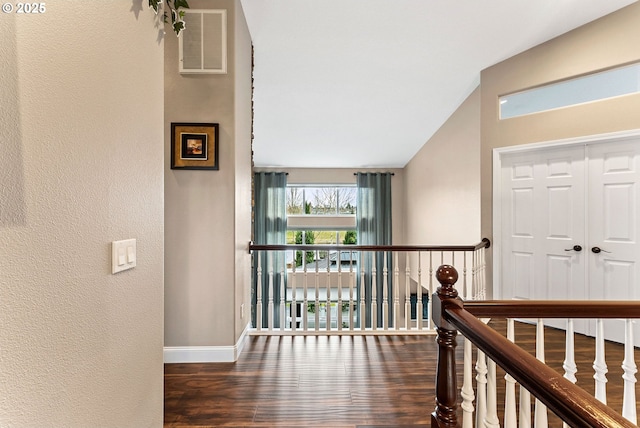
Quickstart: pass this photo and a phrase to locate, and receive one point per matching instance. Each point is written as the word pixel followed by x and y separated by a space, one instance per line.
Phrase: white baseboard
pixel 205 354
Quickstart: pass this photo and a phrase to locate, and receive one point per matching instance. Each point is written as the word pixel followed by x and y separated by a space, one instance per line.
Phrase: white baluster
pixel 569 364
pixel 540 414
pixel 474 276
pixel 524 415
pixel 476 273
pixel 481 386
pixel 481 292
pixel 629 376
pixel 270 301
pixel 317 290
pixel 339 311
pixel 466 292
pixel 259 294
pixel 510 416
pixel 419 294
pixel 429 294
pixel 600 364
pixel 305 291
pixel 483 277
pixel 351 285
pixel 283 295
pixel 467 387
pixel 385 293
pixel 294 303
pixel 328 290
pixel 363 303
pixel 407 293
pixel 491 420
pixel 374 293
pixel 396 293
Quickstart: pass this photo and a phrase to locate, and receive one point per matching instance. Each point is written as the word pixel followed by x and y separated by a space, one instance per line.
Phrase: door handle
pixel 597 250
pixel 576 248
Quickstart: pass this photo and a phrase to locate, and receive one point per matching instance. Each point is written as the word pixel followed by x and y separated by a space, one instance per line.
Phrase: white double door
pixel 570 221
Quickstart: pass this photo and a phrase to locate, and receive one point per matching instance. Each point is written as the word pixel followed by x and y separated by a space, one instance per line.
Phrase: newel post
pixel 446 385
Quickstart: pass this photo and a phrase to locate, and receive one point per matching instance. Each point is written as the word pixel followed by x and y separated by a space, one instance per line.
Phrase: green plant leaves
pixel 155 4
pixel 177 15
pixel 178 26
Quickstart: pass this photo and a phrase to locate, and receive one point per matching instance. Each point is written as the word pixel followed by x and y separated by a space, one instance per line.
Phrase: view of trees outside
pixel 321 200
pixel 350 237
pixel 309 238
pixel 334 200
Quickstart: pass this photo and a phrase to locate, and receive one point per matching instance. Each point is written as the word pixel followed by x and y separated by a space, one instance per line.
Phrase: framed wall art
pixel 194 146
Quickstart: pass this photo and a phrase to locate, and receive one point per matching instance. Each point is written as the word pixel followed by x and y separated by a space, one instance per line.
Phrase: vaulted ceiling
pixel 365 83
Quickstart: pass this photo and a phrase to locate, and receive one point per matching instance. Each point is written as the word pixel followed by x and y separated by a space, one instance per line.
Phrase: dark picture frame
pixel 194 146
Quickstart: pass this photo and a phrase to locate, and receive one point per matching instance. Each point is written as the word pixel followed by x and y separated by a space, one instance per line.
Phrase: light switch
pixel 121 260
pixel 131 254
pixel 123 255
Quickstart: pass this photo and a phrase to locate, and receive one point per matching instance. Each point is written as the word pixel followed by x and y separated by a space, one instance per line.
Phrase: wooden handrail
pixel 570 402
pixel 554 309
pixel 485 243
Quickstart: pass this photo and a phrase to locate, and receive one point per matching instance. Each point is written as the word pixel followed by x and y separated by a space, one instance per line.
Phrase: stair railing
pixel 558 393
pixel 327 289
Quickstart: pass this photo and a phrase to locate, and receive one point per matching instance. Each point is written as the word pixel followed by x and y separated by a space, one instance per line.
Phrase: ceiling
pixel 365 83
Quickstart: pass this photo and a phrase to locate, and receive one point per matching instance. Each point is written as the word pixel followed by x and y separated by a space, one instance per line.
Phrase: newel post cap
pixel 447 276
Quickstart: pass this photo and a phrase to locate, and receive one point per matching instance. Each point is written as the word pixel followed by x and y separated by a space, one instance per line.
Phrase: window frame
pixel 321 222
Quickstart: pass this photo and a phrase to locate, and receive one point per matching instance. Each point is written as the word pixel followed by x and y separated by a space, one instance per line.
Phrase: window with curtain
pixel 270 227
pixel 288 214
pixel 373 226
pixel 321 214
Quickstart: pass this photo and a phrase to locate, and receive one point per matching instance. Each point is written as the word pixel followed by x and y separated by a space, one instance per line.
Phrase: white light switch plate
pixel 123 255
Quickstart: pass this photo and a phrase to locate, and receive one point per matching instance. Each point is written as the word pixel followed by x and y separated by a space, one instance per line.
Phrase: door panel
pixel 558 276
pixel 563 189
pixel 522 275
pixel 546 212
pixel 614 184
pixel 523 206
pixel 518 214
pixel 542 192
pixel 560 202
pixel 618 214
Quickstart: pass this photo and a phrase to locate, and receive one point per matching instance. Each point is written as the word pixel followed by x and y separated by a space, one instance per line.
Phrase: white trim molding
pixel 206 354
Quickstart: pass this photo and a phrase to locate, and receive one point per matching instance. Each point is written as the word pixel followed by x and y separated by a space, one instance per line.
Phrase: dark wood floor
pixel 385 381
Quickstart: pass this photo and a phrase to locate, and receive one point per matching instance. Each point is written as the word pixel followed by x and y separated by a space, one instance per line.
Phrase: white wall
pixel 442 182
pixel 81 164
pixel 243 112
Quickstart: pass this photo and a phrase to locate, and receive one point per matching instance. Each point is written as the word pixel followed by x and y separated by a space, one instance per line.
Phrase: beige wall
pixel 81 166
pixel 607 42
pixel 442 182
pixel 207 213
pixel 243 95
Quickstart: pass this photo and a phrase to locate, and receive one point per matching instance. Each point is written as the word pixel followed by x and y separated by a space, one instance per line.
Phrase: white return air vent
pixel 203 43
